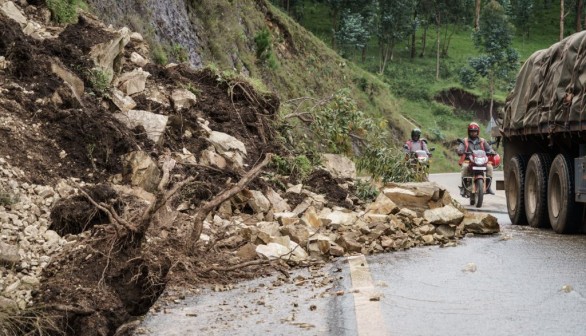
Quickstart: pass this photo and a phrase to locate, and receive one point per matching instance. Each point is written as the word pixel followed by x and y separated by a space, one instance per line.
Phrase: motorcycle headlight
pixel 480 161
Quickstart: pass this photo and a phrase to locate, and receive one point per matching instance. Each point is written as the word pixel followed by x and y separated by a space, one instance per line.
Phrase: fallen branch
pixel 81 311
pixel 205 209
pixel 306 117
pixel 237 266
pixel 161 200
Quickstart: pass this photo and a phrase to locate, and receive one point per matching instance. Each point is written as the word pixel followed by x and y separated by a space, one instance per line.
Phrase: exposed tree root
pixel 223 196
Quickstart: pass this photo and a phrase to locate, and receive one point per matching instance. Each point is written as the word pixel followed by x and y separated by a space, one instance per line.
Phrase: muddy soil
pixel 464 102
pixel 113 275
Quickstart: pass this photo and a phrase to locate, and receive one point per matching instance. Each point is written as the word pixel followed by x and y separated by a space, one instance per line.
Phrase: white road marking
pixel 369 317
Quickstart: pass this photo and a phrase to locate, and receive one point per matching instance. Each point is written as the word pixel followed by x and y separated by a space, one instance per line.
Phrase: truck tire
pixel 515 190
pixel 536 179
pixel 479 192
pixel 561 206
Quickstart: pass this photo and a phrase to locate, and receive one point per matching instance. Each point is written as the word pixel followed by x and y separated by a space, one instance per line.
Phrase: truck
pixel 542 129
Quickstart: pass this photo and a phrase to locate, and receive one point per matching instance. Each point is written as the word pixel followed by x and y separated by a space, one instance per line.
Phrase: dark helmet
pixel 473 127
pixel 416 132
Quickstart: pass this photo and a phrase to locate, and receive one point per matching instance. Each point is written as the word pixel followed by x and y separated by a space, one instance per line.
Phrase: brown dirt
pixel 464 102
pixel 322 182
pixel 114 275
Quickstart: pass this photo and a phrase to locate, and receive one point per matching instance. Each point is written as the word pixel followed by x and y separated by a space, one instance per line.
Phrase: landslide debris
pixel 106 160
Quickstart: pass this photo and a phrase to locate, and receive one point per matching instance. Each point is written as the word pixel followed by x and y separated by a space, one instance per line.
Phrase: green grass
pixel 414 81
pixel 304 66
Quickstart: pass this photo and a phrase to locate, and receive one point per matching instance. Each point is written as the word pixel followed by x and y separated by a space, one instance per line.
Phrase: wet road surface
pixel 523 281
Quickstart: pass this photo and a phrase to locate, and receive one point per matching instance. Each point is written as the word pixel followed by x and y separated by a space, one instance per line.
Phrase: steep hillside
pixel 288 60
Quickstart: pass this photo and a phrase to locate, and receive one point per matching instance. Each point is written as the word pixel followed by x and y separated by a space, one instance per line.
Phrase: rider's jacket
pixel 473 144
pixel 415 145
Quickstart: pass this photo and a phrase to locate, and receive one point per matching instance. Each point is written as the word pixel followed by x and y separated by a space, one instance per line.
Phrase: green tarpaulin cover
pixel 550 89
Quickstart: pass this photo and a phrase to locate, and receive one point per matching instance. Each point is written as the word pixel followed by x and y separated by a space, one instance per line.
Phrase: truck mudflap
pixel 500 185
pixel 580 178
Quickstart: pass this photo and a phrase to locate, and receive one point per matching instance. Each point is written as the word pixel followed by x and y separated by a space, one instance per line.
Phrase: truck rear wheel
pixel 536 178
pixel 515 190
pixel 561 206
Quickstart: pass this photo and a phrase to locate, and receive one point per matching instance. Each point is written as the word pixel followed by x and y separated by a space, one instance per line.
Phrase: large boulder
pixel 229 147
pixel 10 10
pixel 183 99
pixel 382 206
pixel 105 54
pixel 445 215
pixel 74 83
pixel 339 166
pixel 418 196
pixel 132 82
pixel 292 252
pixel 480 223
pixel 141 170
pixel 9 254
pixel 154 124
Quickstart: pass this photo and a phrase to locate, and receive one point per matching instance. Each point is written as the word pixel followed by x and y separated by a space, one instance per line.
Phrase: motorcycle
pixel 476 183
pixel 418 162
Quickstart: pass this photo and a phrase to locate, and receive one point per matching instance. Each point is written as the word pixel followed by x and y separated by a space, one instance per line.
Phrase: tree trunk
pixel 413 36
pixel 562 17
pixel 579 9
pixel 477 16
pixel 384 58
pixel 491 89
pixel 449 40
pixel 334 27
pixel 444 52
pixel 364 54
pixel 423 41
pixel 413 51
pixel 438 34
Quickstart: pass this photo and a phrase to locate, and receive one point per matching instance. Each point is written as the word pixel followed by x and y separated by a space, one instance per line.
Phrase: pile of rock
pixel 403 216
pixel 26 244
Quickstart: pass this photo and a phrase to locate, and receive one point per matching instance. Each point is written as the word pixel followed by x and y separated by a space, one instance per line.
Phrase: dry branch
pixel 81 311
pixel 205 209
pixel 161 200
pixel 237 266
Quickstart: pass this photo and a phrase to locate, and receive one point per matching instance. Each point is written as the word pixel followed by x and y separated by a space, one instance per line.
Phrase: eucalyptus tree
pixel 498 61
pixel 336 8
pixel 521 12
pixel 394 24
pixel 356 29
pixel 456 15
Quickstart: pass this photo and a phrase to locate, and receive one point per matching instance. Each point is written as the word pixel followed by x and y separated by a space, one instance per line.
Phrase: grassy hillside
pixel 295 64
pixel 413 81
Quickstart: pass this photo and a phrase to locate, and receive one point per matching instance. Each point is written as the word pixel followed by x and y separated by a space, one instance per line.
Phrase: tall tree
pixel 521 12
pixel 477 15
pixel 355 31
pixel 394 24
pixel 336 8
pixel 457 14
pixel 499 60
pixel 579 12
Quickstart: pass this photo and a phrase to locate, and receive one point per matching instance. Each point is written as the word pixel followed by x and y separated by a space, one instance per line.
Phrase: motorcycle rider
pixel 415 143
pixel 475 142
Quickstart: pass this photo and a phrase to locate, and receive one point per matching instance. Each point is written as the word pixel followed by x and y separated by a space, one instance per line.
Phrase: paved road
pixel 523 281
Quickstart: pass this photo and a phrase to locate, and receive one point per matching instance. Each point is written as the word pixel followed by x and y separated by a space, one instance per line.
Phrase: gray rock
pixel 9 254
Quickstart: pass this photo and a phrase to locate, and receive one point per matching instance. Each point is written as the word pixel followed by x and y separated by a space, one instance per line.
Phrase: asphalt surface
pixel 523 281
